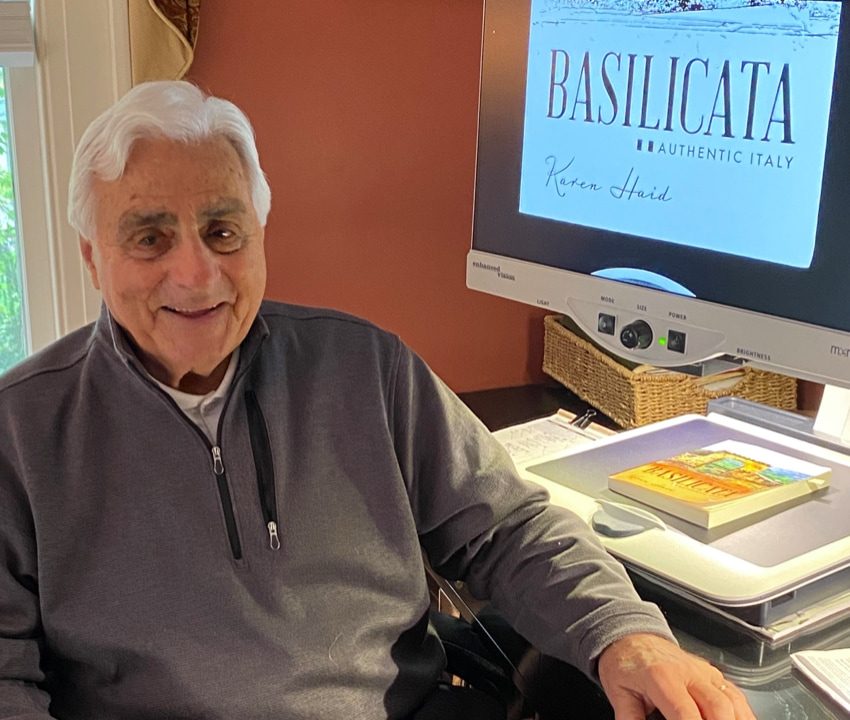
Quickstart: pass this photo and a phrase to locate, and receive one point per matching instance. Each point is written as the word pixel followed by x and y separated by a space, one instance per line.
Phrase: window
pixel 13 337
pixel 49 95
pixel 16 48
pixel 13 340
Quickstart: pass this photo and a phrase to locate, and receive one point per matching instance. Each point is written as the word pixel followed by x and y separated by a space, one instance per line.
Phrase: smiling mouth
pixel 193 313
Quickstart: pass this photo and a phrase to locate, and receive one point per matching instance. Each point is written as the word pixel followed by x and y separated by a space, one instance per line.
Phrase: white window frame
pixel 82 67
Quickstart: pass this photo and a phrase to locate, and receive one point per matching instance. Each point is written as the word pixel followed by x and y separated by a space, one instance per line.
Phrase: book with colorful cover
pixel 720 483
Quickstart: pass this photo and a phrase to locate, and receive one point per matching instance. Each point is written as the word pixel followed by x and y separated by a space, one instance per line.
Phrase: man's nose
pixel 194 263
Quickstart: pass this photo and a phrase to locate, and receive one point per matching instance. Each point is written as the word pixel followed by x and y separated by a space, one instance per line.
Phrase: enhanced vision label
pixel 704 127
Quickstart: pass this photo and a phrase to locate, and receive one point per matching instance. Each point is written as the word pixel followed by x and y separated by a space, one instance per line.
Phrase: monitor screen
pixel 673 175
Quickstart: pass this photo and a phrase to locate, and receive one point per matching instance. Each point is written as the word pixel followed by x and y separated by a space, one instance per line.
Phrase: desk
pixel 764 673
pixel 502 407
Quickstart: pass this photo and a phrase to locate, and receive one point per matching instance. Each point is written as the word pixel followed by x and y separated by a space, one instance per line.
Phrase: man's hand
pixel 641 673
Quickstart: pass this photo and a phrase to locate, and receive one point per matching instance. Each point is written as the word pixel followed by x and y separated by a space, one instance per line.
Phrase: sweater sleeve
pixel 20 624
pixel 538 564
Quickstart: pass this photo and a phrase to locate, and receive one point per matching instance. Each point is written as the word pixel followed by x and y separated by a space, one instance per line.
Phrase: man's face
pixel 178 257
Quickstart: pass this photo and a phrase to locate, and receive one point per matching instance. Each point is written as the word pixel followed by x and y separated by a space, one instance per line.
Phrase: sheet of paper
pixel 828 670
pixel 534 439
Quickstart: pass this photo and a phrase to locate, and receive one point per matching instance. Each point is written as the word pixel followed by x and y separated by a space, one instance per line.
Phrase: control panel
pixel 643 337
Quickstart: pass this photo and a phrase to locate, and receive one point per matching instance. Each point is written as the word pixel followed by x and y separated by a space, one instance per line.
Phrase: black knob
pixel 636 335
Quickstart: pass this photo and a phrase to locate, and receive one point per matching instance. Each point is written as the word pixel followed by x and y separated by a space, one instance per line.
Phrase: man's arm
pixel 20 622
pixel 540 565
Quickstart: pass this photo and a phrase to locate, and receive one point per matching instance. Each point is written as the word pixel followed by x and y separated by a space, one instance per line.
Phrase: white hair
pixel 176 110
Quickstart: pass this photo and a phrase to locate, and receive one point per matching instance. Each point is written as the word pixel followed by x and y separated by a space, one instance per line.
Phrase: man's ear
pixel 87 250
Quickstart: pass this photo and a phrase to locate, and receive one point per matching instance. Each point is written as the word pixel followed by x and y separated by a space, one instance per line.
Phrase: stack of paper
pixel 829 670
pixel 532 440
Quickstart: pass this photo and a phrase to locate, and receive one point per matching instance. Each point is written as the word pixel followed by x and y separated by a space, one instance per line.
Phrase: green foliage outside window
pixel 12 330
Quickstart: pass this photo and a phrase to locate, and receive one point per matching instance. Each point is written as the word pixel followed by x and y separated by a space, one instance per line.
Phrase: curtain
pixel 162 38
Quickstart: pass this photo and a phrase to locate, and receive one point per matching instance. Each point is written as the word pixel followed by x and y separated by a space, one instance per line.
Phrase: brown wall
pixel 365 114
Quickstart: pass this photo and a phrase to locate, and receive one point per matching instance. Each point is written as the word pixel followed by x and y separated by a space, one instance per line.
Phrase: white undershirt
pixel 205 410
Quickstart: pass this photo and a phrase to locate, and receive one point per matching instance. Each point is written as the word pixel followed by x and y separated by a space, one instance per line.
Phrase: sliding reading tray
pixel 781 572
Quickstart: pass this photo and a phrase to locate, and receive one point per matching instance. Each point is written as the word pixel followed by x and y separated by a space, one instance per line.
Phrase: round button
pixel 636 335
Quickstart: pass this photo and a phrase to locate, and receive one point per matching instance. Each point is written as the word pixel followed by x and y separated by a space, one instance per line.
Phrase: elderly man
pixel 216 507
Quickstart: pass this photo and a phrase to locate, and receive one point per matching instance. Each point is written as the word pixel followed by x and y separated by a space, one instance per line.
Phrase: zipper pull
pixel 218 465
pixel 274 540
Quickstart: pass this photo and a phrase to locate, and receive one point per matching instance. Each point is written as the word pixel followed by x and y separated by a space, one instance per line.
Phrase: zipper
pixel 218 465
pixel 262 450
pixel 226 504
pixel 224 496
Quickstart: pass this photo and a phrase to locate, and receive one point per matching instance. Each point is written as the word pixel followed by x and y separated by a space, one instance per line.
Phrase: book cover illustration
pixel 632 103
pixel 695 484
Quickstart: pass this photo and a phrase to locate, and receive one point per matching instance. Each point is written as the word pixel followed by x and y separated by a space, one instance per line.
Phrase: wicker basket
pixel 645 395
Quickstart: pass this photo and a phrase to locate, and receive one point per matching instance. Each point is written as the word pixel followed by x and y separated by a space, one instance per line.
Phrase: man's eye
pixel 148 243
pixel 223 239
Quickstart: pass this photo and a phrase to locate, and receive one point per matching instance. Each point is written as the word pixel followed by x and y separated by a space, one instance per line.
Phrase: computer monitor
pixel 673 175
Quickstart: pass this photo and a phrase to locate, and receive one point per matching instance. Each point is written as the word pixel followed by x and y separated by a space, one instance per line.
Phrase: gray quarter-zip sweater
pixel 277 573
